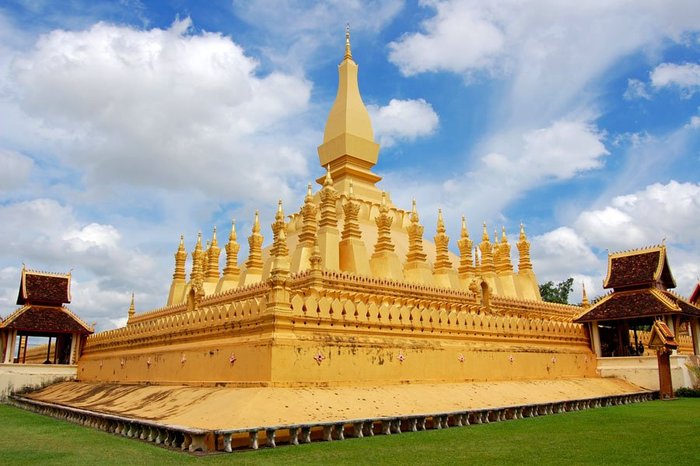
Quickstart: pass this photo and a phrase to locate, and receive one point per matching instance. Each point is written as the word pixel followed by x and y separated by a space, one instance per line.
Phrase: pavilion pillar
pixel 73 347
pixel 10 346
pixel 695 333
pixel 671 323
pixel 595 339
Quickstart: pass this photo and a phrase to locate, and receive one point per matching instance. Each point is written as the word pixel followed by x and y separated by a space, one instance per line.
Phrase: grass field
pixel 658 432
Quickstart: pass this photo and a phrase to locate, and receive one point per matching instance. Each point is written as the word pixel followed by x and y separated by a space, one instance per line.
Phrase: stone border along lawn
pixel 665 432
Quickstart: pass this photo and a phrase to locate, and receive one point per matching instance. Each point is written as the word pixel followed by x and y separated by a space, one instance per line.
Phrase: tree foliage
pixel 558 293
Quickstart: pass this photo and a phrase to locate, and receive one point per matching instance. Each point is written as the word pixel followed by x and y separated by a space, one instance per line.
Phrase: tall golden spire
pixel 197 272
pixel 524 249
pixel 132 308
pixel 213 253
pixel 309 224
pixel 415 238
pixel 466 261
pixel 180 259
pixel 231 271
pixel 348 139
pixel 486 248
pixel 442 241
pixel 254 264
pixel 584 296
pixel 383 221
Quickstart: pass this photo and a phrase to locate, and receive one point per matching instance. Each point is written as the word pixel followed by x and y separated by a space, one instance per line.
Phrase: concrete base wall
pixel 643 370
pixel 15 377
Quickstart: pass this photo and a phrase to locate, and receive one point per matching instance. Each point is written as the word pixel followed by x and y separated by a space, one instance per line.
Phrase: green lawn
pixel 658 432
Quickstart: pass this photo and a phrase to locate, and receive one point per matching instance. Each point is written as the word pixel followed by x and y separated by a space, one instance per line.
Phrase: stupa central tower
pixel 348 148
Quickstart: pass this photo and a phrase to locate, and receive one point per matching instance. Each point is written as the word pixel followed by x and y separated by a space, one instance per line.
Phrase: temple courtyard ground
pixel 657 432
pixel 240 408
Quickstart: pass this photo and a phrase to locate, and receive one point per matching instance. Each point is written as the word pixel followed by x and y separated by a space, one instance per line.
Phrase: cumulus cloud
pixel 14 169
pixel 460 37
pixel 165 108
pixel 685 77
pixel 636 89
pixel 403 120
pixel 670 211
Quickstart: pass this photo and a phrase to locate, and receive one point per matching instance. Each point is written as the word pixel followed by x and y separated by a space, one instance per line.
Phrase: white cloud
pixel 403 120
pixel 645 217
pixel 460 37
pixel 163 108
pixel 554 252
pixel 685 77
pixel 694 122
pixel 636 89
pixel 14 169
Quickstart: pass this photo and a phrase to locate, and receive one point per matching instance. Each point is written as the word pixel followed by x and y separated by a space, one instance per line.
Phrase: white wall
pixel 643 370
pixel 14 377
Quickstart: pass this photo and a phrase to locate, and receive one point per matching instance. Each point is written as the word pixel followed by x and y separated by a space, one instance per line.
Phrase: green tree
pixel 558 293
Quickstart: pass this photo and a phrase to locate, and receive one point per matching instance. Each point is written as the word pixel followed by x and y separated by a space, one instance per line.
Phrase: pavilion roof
pixel 639 268
pixel 695 295
pixel 635 303
pixel 46 319
pixel 43 288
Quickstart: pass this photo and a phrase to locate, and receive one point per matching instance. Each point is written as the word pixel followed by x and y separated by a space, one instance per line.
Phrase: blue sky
pixel 125 124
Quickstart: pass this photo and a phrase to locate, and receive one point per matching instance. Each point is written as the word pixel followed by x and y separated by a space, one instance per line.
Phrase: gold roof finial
pixel 309 193
pixel 132 307
pixel 348 52
pixel 464 232
pixel 256 223
pixel 584 297
pixel 504 237
pixel 232 235
pixel 485 234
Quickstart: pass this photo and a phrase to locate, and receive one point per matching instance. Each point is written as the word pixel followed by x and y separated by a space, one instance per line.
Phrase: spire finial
pixel 348 52
pixel 309 193
pixel 213 237
pixel 522 232
pixel 256 223
pixel 132 307
pixel 504 237
pixel 584 297
pixel 232 235
pixel 485 234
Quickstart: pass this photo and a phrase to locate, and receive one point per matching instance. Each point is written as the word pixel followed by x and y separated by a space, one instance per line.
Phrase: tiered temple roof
pixel 42 295
pixel 640 280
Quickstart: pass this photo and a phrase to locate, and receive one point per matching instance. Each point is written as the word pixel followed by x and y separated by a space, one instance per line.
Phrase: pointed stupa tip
pixel 182 241
pixel 523 237
pixel 199 241
pixel 256 222
pixel 485 234
pixel 348 51
pixel 213 236
pixel 504 237
pixel 232 235
pixel 464 231
pixel 584 296
pixel 132 307
pixel 280 213
pixel 309 192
